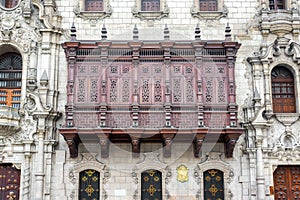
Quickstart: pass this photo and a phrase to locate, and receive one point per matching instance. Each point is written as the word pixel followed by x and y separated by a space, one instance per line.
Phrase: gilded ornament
pixel 182 173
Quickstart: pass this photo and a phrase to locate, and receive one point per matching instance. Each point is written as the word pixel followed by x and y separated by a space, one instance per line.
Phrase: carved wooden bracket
pixel 136 144
pixel 198 141
pixel 72 140
pixel 230 142
pixel 104 143
pixel 167 142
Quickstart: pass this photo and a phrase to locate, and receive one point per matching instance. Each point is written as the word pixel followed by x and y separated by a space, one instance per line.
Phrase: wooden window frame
pixel 208 5
pixel 277 4
pixel 150 5
pixel 150 14
pixel 90 13
pixel 220 10
pixel 11 83
pixel 9 4
pixel 283 92
pixel 93 5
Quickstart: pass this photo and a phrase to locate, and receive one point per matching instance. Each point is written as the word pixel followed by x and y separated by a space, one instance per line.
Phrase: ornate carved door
pixel 151 185
pixel 213 185
pixel 287 183
pixel 89 186
pixel 9 182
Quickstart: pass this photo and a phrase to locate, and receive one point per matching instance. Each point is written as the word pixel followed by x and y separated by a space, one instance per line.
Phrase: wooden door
pixel 287 183
pixel 9 182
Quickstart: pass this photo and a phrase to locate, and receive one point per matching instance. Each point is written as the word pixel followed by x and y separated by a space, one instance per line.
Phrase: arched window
pixel 9 3
pixel 283 92
pixel 151 185
pixel 89 184
pixel 213 184
pixel 276 4
pixel 150 5
pixel 10 79
pixel 208 5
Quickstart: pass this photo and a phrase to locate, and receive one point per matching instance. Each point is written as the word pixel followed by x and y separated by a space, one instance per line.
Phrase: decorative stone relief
pixel 88 161
pixel 279 23
pixel 151 161
pixel 150 15
pixel 92 16
pixel 209 15
pixel 33 103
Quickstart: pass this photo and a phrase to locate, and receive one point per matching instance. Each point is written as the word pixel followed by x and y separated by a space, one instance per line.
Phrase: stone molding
pixel 209 15
pixel 92 16
pixel 88 161
pixel 213 160
pixel 151 161
pixel 150 15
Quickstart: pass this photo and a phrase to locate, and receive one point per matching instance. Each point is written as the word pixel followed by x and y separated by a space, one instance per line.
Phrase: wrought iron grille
pixel 151 185
pixel 89 186
pixel 213 185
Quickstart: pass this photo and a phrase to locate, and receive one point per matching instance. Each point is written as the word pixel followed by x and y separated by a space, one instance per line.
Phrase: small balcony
pixel 9 120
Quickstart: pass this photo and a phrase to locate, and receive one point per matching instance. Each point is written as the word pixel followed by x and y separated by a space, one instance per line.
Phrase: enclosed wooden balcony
pixel 151 91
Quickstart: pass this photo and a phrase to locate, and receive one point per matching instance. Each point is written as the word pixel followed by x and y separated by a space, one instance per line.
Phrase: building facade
pixel 149 99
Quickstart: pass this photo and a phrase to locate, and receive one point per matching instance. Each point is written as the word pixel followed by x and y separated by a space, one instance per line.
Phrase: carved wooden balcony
pixel 151 91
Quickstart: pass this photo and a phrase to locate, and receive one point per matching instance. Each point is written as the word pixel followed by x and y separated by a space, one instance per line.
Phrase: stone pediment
pixel 9 120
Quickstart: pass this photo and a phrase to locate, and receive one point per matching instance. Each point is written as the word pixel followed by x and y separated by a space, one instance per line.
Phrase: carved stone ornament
pixel 209 15
pixel 288 146
pixel 279 23
pixel 213 160
pixel 151 161
pixel 150 15
pixel 182 173
pixel 88 161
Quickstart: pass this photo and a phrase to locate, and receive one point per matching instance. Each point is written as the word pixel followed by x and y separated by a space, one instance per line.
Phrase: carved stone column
pixel 260 180
pixel 39 175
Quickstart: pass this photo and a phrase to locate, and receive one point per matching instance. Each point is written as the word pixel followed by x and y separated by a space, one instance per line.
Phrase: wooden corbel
pixel 135 142
pixel 230 142
pixel 104 144
pixel 167 142
pixel 72 141
pixel 198 141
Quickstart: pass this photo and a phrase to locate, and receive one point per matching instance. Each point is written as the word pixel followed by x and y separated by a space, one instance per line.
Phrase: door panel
pixel 9 182
pixel 287 183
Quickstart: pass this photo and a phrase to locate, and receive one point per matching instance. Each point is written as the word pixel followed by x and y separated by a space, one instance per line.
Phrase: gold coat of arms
pixel 182 173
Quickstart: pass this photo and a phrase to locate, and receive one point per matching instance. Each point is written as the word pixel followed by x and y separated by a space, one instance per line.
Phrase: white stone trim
pixel 213 160
pixel 89 161
pixel 150 15
pixel 151 161
pixel 209 15
pixel 80 11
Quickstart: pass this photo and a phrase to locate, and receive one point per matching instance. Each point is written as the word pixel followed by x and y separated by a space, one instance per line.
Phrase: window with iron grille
pixel 276 4
pixel 93 5
pixel 89 185
pixel 208 5
pixel 151 185
pixel 213 184
pixel 283 92
pixel 10 79
pixel 150 5
pixel 9 3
